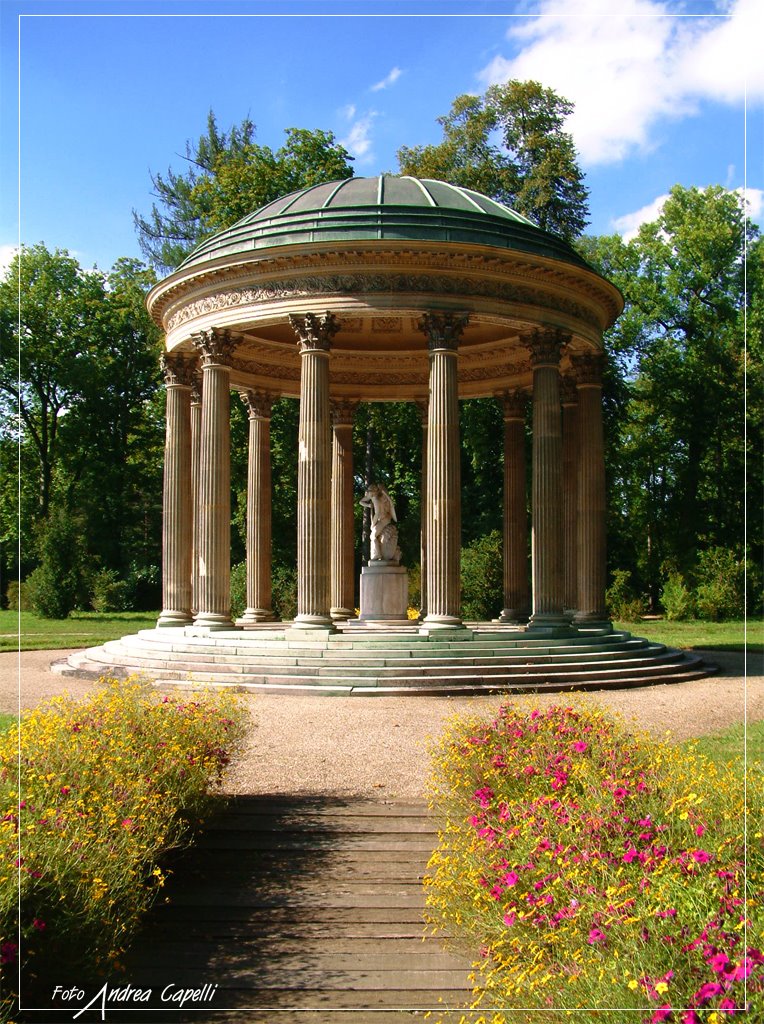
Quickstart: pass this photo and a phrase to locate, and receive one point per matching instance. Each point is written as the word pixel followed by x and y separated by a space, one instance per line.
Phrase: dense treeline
pixel 82 401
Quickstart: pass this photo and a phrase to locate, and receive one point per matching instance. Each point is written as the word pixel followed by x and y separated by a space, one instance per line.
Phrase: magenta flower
pixel 580 746
pixel 509 919
pixel 511 878
pixel 701 856
pixel 740 972
pixel 595 935
pixel 620 793
pixel 630 855
pixel 727 1004
pixel 699 830
pixel 690 1017
pixel 483 796
pixel 8 952
pixel 707 991
pixel 38 925
pixel 662 1013
pixel 718 962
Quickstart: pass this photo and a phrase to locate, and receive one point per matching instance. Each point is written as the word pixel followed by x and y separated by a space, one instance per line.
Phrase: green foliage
pixel 620 599
pixel 109 593
pixel 533 169
pixel 677 598
pixel 720 591
pixel 229 175
pixel 18 597
pixel 284 592
pixel 238 589
pixel 60 583
pixel 482 577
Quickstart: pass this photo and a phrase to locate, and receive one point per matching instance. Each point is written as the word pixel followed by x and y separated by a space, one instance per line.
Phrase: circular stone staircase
pixel 368 661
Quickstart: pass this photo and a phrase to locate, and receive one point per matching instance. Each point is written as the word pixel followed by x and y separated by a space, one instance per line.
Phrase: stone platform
pixel 361 660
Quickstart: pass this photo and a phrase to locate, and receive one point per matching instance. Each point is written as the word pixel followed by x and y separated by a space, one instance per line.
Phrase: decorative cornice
pixel 215 347
pixel 258 404
pixel 178 371
pixel 513 404
pixel 545 345
pixel 314 333
pixel 588 368
pixel 342 412
pixel 443 330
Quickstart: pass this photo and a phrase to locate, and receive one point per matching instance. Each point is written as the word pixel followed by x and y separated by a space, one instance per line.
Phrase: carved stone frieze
pixel 387 324
pixel 588 367
pixel 215 346
pixel 258 404
pixel 375 283
pixel 314 332
pixel 178 369
pixel 443 330
pixel 257 369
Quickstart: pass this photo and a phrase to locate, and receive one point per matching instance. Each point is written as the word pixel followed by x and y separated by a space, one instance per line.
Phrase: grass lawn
pixel 720 636
pixel 81 629
pixel 722 747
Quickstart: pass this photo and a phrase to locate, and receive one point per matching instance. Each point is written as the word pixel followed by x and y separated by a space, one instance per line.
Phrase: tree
pixel 534 169
pixel 680 345
pixel 230 175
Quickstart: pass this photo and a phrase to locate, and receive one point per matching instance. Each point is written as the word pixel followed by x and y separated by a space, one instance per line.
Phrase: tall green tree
pixel 510 143
pixel 229 175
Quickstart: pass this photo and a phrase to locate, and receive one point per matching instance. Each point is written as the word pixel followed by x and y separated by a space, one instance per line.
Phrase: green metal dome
pixel 389 208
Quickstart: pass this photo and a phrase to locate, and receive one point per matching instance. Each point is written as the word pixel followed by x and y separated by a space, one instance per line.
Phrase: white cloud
pixel 753 198
pixel 358 140
pixel 348 112
pixel 630 223
pixel 390 79
pixel 626 71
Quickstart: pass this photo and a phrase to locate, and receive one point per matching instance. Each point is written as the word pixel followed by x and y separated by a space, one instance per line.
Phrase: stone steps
pixel 404 663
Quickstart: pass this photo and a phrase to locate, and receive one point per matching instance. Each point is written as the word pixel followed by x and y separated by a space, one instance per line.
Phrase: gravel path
pixel 376 747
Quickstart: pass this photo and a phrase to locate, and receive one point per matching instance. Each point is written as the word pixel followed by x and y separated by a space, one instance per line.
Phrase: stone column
pixel 215 348
pixel 259 603
pixel 516 581
pixel 314 472
pixel 176 500
pixel 547 540
pixel 569 399
pixel 424 411
pixel 443 510
pixel 342 517
pixel 196 438
pixel 591 492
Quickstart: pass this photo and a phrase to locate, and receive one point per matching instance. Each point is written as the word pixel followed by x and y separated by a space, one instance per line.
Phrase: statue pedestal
pixel 384 592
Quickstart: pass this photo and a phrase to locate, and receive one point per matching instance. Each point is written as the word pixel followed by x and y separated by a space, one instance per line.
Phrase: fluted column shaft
pixel 342 518
pixel 443 472
pixel 314 472
pixel 423 405
pixel 570 455
pixel 591 493
pixel 176 496
pixel 516 580
pixel 547 541
pixel 214 516
pixel 259 600
pixel 196 438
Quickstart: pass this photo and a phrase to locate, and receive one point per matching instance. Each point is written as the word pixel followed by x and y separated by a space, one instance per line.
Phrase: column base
pixel 550 622
pixel 213 621
pixel 341 614
pixel 587 620
pixel 513 617
pixel 431 621
pixel 174 618
pixel 254 615
pixel 313 622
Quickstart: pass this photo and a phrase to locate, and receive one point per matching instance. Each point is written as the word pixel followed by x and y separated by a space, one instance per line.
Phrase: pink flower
pixel 727 1004
pixel 65 790
pixel 718 962
pixel 740 972
pixel 497 891
pixel 509 919
pixel 701 856
pixel 38 924
pixel 662 1013
pixel 670 912
pixel 127 823
pixel 699 830
pixel 707 991
pixel 595 935
pixel 8 952
pixel 580 746
pixel 690 1017
pixel 630 855
pixel 511 878
pixel 620 793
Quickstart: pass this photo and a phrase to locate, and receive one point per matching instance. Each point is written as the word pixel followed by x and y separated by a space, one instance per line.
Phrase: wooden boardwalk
pixel 290 905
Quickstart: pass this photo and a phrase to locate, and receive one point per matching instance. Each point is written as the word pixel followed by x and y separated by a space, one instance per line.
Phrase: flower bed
pixel 595 868
pixel 93 794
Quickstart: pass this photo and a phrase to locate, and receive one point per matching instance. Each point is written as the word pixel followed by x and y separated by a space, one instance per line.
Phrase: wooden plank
pixel 322 825
pixel 323 843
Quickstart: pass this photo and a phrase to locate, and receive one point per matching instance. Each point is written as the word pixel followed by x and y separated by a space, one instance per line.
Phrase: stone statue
pixel 384 535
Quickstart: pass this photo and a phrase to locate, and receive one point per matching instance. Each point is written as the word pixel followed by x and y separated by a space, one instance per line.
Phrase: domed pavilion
pixel 377 290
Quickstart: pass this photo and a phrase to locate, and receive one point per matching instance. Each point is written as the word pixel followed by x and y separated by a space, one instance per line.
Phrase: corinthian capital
pixel 443 330
pixel 342 412
pixel 588 368
pixel 314 333
pixel 178 369
pixel 215 346
pixel 258 404
pixel 513 404
pixel 545 344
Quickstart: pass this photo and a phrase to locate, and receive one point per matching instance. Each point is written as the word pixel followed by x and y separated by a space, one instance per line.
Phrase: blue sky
pixel 99 93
